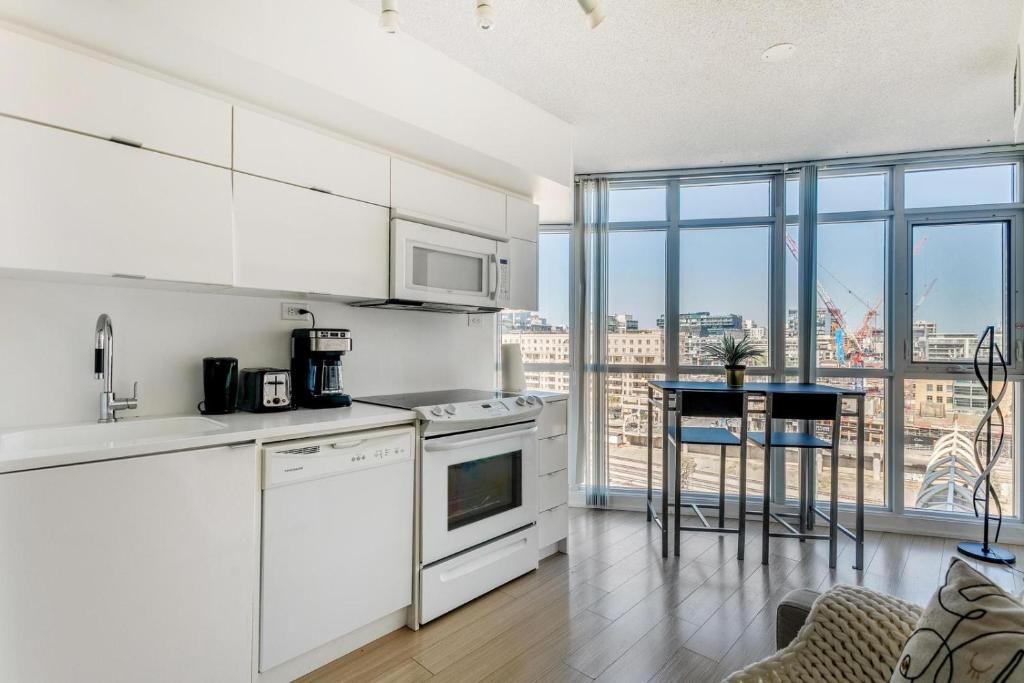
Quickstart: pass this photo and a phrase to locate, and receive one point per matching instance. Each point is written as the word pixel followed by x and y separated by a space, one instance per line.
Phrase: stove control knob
pixel 450 409
pixel 532 400
pixel 436 411
pixel 520 401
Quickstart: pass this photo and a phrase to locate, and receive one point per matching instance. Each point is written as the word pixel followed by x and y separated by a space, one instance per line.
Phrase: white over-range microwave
pixel 437 269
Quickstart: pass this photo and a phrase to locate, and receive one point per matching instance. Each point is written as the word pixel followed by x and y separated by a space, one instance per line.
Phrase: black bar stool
pixel 711 404
pixel 811 407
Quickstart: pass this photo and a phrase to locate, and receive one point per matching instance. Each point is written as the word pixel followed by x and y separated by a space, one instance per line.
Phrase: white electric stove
pixel 476 486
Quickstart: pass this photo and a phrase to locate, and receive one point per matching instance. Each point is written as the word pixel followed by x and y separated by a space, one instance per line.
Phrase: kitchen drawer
pixel 553 420
pixel 552 490
pixel 65 88
pixel 272 148
pixel 454 582
pixel 552 525
pixel 553 454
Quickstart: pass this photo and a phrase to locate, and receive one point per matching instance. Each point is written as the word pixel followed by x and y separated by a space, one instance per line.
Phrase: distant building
pixel 622 322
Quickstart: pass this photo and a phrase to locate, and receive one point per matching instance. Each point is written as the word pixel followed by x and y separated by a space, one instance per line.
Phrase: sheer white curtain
pixel 589 306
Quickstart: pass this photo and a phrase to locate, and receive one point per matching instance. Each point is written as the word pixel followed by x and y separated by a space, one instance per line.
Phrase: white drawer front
pixel 552 490
pixel 61 87
pixel 552 526
pixel 553 420
pixel 553 454
pixel 275 149
pixel 446 585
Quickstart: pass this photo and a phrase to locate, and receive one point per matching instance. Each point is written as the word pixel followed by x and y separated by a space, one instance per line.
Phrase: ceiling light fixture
pixel 779 53
pixel 389 16
pixel 593 10
pixel 484 15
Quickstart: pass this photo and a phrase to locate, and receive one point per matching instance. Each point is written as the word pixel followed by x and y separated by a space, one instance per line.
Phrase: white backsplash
pixel 161 337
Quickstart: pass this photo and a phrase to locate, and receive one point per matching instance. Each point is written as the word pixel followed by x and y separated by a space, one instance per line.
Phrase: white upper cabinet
pixel 421 194
pixel 272 148
pixel 293 239
pixel 523 219
pixel 523 276
pixel 76 204
pixel 60 87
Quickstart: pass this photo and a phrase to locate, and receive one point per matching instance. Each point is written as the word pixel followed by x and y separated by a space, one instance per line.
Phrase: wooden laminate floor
pixel 613 610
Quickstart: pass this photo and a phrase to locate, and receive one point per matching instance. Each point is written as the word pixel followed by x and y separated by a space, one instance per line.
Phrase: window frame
pixel 897 299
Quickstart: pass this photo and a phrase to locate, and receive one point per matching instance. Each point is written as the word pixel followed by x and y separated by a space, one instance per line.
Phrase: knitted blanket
pixel 852 635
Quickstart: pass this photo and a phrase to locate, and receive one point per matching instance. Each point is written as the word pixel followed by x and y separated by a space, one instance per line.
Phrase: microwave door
pixel 442 266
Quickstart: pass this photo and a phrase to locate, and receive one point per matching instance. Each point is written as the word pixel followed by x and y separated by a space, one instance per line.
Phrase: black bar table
pixel 765 390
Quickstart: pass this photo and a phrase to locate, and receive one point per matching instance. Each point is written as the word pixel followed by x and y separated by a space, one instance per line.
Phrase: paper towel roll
pixel 512 377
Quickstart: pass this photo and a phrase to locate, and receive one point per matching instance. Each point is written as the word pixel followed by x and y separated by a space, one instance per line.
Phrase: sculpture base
pixel 994 554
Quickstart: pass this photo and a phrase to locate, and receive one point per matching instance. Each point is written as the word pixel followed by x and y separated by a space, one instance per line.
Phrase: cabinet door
pixel 271 148
pixel 142 569
pixel 61 87
pixel 292 239
pixel 75 204
pixel 424 195
pixel 523 263
pixel 523 219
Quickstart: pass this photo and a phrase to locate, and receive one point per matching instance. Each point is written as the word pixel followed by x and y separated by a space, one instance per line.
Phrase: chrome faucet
pixel 104 368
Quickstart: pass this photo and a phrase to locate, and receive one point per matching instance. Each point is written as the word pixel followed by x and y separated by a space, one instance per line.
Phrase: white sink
pixel 92 436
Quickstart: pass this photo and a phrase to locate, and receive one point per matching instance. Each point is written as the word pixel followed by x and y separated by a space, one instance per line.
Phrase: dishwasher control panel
pixel 288 462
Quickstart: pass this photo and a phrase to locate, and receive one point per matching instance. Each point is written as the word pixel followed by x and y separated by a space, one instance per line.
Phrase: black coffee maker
pixel 220 386
pixel 316 367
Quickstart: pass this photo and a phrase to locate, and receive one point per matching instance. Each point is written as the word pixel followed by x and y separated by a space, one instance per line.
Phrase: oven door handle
pixel 455 445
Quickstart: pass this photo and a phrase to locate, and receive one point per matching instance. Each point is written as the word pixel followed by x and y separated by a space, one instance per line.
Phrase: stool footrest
pixel 715 529
pixel 828 520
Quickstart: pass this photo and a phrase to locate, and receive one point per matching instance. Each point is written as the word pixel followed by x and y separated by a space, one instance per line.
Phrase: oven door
pixel 477 486
pixel 436 265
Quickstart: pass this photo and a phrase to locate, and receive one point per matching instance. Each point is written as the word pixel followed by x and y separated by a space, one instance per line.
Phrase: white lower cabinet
pixel 293 239
pixel 76 204
pixel 552 476
pixel 142 569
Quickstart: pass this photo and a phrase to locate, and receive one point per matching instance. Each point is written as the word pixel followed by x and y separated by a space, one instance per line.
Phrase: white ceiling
pixel 680 83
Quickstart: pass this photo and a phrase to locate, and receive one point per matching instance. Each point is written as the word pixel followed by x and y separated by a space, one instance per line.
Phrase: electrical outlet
pixel 475 320
pixel 290 311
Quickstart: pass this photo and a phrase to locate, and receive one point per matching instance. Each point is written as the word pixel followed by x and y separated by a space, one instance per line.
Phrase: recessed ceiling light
pixel 779 53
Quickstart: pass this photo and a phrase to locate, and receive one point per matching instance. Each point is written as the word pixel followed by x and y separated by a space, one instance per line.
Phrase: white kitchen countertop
pixel 238 428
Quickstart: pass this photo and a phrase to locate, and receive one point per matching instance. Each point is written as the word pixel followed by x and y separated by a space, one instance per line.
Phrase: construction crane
pixel 830 305
pixel 862 333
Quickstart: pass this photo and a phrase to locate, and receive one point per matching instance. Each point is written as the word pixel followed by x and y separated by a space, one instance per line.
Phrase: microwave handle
pixel 493 272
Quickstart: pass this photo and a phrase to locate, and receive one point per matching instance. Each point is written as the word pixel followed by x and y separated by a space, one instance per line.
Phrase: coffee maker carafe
pixel 316 367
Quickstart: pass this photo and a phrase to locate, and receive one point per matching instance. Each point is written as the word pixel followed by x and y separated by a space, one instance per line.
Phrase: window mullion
pixel 899 320
pixel 672 283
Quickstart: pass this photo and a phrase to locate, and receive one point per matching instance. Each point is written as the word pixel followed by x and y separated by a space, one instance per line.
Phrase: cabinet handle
pixel 125 141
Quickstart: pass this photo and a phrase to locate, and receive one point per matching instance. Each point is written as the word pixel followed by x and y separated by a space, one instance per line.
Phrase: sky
pixel 725 270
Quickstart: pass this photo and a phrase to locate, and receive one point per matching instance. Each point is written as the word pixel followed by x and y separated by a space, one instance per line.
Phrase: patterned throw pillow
pixel 971 631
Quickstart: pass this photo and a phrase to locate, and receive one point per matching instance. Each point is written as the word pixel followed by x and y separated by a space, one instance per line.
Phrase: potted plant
pixel 732 354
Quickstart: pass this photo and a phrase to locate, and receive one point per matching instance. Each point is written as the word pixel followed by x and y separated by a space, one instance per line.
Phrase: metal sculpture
pixel 991 422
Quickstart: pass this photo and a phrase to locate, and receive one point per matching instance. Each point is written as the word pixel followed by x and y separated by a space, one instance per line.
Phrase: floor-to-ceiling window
pixel 911 261
pixel 634 330
pixel 962 235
